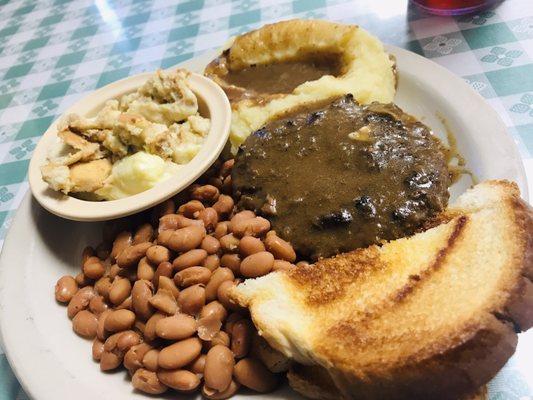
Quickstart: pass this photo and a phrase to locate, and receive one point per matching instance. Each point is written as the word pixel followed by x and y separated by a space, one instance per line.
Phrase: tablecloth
pixel 53 52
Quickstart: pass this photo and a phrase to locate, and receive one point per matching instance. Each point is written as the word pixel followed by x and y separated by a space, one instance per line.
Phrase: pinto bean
pixel 183 239
pixel 164 301
pixel 134 356
pixel 222 229
pixel 119 291
pixel 214 309
pixel 66 288
pixel 218 369
pixel 149 329
pixel 150 360
pixel 181 380
pixel 192 299
pixel 253 226
pixel 128 339
pixel 224 205
pixel 180 353
pixel 208 327
pixel 250 245
pixel 282 265
pixel 177 221
pixel 119 320
pixel 147 382
pixel 163 269
pixel 254 375
pixel 229 243
pixel 210 218
pixel 110 360
pixel 257 264
pixel 223 294
pixel 280 249
pixel 176 327
pixel 210 244
pixel 219 275
pixel 102 286
pixel 100 328
pixel 168 284
pixel 131 255
pixel 197 365
pixel 211 262
pixel 192 276
pixel 190 258
pixel 168 223
pixel 97 305
pixel 241 337
pixel 221 338
pixel 145 270
pixel 122 241
pixel 242 216
pixel 97 349
pixel 157 254
pixel 145 233
pixel 140 295
pixel 190 208
pixel 226 167
pixel 208 193
pixel 80 301
pixel 82 280
pixel 93 268
pixel 231 261
pixel 84 324
pixel 213 394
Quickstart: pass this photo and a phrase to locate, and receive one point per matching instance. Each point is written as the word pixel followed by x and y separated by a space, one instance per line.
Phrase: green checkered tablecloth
pixel 53 52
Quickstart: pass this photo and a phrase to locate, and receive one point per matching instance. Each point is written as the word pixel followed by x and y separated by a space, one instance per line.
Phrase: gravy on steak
pixel 343 176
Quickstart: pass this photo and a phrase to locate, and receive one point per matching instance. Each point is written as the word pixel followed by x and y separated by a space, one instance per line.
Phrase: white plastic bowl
pixel 213 104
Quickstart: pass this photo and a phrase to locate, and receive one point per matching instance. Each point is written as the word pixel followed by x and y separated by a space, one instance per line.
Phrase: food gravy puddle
pixel 274 78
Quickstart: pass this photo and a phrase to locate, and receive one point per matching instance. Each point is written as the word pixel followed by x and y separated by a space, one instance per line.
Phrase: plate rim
pixel 34 385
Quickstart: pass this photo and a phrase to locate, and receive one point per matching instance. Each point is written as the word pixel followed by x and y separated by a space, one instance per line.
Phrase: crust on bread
pixel 314 382
pixel 367 70
pixel 431 316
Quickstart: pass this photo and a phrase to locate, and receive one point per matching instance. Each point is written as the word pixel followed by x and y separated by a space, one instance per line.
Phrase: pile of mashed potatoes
pixel 133 143
pixel 367 71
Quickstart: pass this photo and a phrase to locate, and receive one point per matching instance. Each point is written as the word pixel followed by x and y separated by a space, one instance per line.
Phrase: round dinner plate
pixel 53 363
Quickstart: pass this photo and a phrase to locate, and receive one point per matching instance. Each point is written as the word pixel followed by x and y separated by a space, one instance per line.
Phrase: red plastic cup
pixel 452 7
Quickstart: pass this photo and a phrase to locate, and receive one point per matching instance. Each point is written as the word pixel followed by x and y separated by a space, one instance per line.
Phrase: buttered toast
pixel 433 316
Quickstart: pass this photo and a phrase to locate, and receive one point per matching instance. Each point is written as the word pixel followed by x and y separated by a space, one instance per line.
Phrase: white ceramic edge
pixel 81 210
pixel 20 339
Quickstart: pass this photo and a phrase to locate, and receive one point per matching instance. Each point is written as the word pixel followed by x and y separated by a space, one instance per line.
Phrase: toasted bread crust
pixel 313 382
pixel 434 316
pixel 454 374
pixel 519 306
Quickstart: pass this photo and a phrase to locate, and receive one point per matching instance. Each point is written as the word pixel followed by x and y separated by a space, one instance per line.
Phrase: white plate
pixel 53 363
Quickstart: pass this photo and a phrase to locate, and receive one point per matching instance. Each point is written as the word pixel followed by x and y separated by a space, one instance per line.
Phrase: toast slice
pixel 433 316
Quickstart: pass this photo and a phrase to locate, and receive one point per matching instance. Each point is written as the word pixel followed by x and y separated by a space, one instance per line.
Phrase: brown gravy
pixel 271 79
pixel 343 176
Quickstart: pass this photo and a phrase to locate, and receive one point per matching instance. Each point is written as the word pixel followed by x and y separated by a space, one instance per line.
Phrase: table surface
pixel 53 52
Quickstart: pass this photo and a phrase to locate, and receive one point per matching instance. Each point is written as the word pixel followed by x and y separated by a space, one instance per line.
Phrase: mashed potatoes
pixel 135 174
pixel 132 143
pixel 367 71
